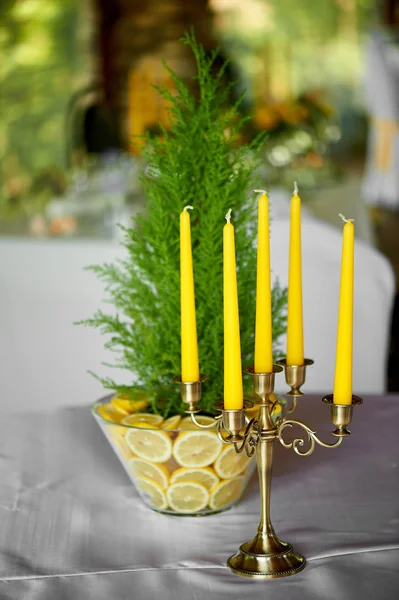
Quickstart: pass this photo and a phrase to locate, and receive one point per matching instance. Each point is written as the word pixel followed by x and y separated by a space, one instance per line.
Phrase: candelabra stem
pixel 266 556
pixel 264 458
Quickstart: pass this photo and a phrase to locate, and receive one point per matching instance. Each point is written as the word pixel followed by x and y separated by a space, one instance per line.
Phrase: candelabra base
pixel 266 557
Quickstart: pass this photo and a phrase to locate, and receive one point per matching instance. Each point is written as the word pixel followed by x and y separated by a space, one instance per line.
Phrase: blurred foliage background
pixel 300 63
pixel 42 63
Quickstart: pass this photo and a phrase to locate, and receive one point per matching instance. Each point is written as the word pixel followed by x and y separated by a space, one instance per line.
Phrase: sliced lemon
pixel 138 405
pixel 230 464
pixel 187 497
pixel 116 435
pixel 149 444
pixel 143 420
pixel 171 423
pixel 156 472
pixel 226 492
pixel 187 423
pixel 121 406
pixel 197 448
pixel 107 412
pixel 205 476
pixel 152 492
pixel 253 411
pixel 144 425
pixel 124 399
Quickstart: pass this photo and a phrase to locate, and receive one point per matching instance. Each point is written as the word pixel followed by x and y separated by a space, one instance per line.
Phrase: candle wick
pixel 228 215
pixel 295 188
pixel 188 207
pixel 260 192
pixel 346 220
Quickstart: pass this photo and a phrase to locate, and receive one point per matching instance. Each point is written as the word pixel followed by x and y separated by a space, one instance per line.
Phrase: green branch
pixel 196 162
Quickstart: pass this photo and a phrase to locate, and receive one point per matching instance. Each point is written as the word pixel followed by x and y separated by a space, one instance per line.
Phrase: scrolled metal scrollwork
pixel 297 443
pixel 250 438
pixel 220 429
pixel 210 425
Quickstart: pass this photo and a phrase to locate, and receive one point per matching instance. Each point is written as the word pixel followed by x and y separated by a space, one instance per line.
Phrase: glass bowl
pixel 176 467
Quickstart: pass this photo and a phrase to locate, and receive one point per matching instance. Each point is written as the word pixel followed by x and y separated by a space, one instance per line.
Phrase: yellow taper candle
pixel 263 325
pixel 343 362
pixel 233 393
pixel 295 354
pixel 189 345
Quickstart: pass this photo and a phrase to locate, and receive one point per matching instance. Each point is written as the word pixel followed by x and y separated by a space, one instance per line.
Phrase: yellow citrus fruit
pixel 171 423
pixel 107 412
pixel 205 476
pixel 152 492
pixel 226 492
pixel 197 448
pixel 116 435
pixel 143 420
pixel 126 407
pixel 138 405
pixel 156 472
pixel 122 406
pixel 253 411
pixel 150 444
pixel 124 399
pixel 187 423
pixel 187 497
pixel 230 464
pixel 144 425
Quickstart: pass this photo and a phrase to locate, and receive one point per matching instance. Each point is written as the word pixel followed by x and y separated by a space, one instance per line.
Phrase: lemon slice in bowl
pixel 124 402
pixel 108 412
pixel 230 464
pixel 253 411
pixel 171 423
pixel 152 492
pixel 137 405
pixel 116 435
pixel 187 423
pixel 122 406
pixel 226 492
pixel 187 497
pixel 158 473
pixel 205 476
pixel 149 444
pixel 197 448
pixel 143 420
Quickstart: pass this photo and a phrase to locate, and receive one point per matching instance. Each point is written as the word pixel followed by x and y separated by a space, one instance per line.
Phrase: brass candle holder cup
pixel 266 556
pixel 341 414
pixel 295 375
pixel 190 392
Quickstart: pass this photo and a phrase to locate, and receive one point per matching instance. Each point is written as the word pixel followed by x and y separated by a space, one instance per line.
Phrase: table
pixel 72 526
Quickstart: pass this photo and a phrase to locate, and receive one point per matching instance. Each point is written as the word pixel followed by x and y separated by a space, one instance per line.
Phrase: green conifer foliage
pixel 196 162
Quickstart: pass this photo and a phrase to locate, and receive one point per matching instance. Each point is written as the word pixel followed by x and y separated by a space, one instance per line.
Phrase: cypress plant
pixel 197 161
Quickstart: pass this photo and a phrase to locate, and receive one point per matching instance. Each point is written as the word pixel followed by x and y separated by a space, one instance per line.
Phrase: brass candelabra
pixel 266 556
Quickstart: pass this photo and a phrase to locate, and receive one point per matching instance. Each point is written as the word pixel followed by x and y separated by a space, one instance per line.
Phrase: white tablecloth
pixel 72 526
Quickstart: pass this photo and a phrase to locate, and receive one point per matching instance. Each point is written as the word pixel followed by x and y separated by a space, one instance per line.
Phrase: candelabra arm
pixel 209 426
pixel 298 443
pixel 220 430
pixel 292 408
pixel 250 438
